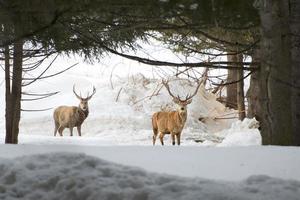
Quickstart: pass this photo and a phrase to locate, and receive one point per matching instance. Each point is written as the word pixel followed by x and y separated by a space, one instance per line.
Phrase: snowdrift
pixel 77 177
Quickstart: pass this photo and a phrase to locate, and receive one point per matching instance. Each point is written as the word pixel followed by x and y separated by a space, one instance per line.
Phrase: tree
pixel 279 73
pixel 253 93
pixel 49 26
pixel 92 28
pixel 231 89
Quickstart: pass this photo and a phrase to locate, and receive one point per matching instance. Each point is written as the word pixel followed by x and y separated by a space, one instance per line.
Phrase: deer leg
pixel 71 131
pixel 55 129
pixel 178 139
pixel 173 138
pixel 60 130
pixel 154 136
pixel 79 130
pixel 154 139
pixel 161 137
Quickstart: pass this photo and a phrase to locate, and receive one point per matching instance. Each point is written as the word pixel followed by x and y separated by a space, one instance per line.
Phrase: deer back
pixel 168 121
pixel 67 116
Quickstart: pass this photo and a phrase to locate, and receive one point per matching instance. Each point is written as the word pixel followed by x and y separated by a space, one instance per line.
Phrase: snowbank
pixel 230 164
pixel 77 177
pixel 241 133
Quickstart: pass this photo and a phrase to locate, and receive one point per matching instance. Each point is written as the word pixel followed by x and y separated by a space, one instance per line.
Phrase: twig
pixel 117 98
pixel 155 93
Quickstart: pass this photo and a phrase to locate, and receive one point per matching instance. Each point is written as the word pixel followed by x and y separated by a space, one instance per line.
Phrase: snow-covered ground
pixel 78 176
pixel 121 110
pixel 220 157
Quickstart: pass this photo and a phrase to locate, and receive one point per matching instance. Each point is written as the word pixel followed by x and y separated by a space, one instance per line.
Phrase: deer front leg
pixel 71 131
pixel 178 138
pixel 79 130
pixel 173 138
pixel 161 137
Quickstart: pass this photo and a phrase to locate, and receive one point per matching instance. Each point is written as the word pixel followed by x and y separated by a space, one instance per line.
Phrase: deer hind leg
pixel 161 137
pixel 60 130
pixel 79 130
pixel 178 138
pixel 55 128
pixel 154 136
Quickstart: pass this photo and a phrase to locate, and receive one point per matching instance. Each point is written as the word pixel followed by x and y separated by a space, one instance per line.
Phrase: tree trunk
pixel 275 71
pixel 240 89
pixel 254 108
pixel 13 101
pixel 295 54
pixel 231 89
pixel 8 111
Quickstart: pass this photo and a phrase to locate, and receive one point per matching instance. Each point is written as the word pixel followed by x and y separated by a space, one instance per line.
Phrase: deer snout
pixel 83 106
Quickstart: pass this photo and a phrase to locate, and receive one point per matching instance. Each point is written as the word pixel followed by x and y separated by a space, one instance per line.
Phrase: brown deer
pixel 72 116
pixel 171 122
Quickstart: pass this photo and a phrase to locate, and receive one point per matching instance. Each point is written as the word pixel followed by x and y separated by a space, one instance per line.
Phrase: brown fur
pixel 69 117
pixel 72 116
pixel 169 123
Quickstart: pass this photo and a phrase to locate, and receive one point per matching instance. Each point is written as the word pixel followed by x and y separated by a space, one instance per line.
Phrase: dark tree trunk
pixel 254 108
pixel 8 111
pixel 295 54
pixel 231 90
pixel 275 71
pixel 13 101
pixel 240 90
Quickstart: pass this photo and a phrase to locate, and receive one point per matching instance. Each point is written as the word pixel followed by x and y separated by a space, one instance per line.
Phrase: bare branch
pixel 49 76
pixel 38 98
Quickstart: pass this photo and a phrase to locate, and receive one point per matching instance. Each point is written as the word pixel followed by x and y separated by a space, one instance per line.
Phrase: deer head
pixel 181 103
pixel 84 101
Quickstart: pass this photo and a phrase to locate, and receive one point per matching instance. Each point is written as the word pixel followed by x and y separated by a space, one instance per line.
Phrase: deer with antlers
pixel 171 122
pixel 72 116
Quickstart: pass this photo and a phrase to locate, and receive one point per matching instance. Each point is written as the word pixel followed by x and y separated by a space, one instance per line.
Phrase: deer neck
pixel 85 112
pixel 182 116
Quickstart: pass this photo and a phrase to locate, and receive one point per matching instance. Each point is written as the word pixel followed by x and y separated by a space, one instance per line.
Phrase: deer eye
pixel 182 108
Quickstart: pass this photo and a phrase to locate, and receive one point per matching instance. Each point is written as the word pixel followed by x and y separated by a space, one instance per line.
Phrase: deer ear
pixel 189 101
pixel 176 101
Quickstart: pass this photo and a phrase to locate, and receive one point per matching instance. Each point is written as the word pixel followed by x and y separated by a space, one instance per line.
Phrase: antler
pixel 78 96
pixel 188 97
pixel 89 97
pixel 165 83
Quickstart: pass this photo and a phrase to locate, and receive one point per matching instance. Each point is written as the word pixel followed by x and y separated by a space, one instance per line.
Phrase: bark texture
pixel 295 64
pixel 240 90
pixel 275 71
pixel 13 99
pixel 231 100
pixel 253 93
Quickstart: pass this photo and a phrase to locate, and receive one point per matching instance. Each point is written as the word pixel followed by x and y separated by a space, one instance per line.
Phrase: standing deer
pixel 72 116
pixel 171 122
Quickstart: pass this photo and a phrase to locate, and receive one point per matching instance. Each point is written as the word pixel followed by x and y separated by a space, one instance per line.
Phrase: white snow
pixel 220 157
pixel 121 110
pixel 78 176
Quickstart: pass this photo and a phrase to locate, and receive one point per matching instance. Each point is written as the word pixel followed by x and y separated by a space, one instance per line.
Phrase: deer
pixel 171 122
pixel 72 116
